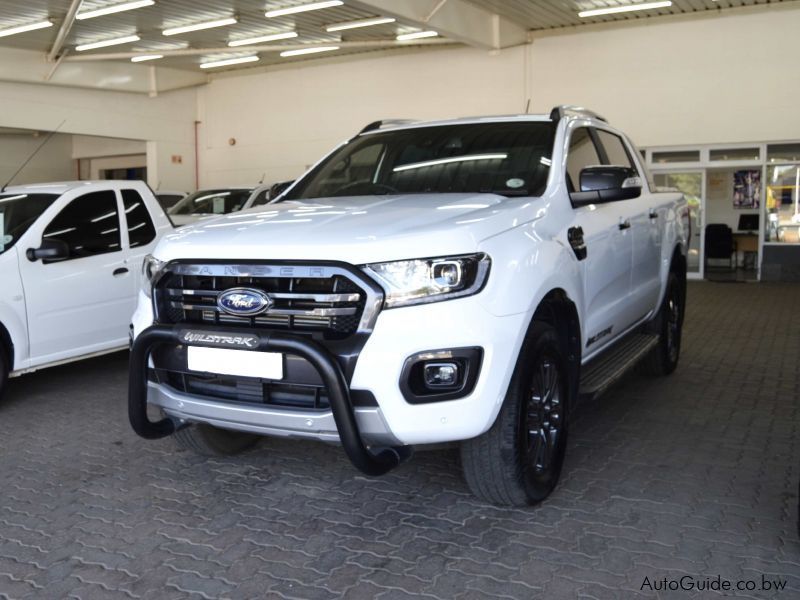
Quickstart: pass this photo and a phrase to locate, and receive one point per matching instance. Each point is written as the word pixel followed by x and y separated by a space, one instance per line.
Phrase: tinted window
pixel 510 158
pixel 261 198
pixel 582 153
pixel 168 200
pixel 140 227
pixel 89 225
pixel 211 202
pixel 615 150
pixel 18 212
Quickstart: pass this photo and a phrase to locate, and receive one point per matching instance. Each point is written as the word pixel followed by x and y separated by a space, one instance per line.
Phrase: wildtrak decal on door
pixel 600 335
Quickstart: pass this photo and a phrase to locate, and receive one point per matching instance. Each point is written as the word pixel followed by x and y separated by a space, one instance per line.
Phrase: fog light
pixel 441 374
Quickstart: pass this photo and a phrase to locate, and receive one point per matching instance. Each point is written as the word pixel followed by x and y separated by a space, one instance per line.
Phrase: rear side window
pixel 581 154
pixel 615 150
pixel 140 227
pixel 89 225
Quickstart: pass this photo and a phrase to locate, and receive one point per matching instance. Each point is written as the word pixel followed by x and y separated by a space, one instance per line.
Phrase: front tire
pixel 518 460
pixel 663 358
pixel 207 440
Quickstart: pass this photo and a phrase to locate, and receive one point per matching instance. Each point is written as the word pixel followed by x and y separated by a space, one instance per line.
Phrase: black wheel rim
pixel 544 418
pixel 673 330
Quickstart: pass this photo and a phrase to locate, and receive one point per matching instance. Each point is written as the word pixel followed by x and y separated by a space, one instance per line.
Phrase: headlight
pixel 430 279
pixel 150 268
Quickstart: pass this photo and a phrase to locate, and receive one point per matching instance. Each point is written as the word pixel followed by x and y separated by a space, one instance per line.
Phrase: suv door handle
pixel 624 223
pixel 653 213
pixel 120 271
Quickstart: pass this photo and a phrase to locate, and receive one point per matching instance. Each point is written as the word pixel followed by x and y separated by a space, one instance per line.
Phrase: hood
pixel 353 229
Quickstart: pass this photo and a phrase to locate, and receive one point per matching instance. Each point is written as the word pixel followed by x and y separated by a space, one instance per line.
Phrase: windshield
pixel 507 158
pixel 18 212
pixel 211 202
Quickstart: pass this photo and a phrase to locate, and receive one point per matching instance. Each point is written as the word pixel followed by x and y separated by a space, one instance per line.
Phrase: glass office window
pixel 783 204
pixel 676 156
pixel 783 153
pixel 734 154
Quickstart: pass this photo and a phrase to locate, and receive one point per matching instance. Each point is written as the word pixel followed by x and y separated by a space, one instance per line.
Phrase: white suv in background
pixel 70 266
pixel 455 281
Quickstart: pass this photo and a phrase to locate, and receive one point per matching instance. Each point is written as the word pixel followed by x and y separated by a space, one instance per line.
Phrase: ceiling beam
pixel 63 31
pixel 377 44
pixel 456 19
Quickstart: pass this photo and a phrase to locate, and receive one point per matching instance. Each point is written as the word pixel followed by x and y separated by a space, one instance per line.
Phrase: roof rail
pixel 561 111
pixel 385 123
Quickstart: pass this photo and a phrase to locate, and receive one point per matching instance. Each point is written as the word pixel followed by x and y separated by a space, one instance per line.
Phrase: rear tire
pixel 213 441
pixel 663 358
pixel 518 461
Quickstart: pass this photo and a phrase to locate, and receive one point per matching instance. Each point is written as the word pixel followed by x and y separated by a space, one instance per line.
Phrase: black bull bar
pixel 369 461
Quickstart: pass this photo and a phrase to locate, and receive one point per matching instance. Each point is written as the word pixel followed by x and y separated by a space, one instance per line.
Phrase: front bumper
pixel 371 461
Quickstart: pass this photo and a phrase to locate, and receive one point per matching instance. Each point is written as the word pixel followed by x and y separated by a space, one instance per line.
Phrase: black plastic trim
pixel 368 461
pixel 470 357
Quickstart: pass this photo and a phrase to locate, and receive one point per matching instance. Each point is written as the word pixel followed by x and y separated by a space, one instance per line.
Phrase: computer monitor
pixel 748 222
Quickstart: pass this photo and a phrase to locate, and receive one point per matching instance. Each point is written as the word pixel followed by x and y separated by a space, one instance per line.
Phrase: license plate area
pixel 239 363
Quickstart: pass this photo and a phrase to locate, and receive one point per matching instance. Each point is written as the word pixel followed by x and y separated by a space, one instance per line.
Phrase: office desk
pixel 747 244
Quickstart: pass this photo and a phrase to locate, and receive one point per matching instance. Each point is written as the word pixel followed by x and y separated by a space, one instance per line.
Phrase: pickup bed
pixel 70 263
pixel 456 281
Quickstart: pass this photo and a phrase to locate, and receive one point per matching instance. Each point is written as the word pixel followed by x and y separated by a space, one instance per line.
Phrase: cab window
pixel 582 153
pixel 89 225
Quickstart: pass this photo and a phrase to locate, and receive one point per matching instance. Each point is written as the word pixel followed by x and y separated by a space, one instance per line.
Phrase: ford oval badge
pixel 243 302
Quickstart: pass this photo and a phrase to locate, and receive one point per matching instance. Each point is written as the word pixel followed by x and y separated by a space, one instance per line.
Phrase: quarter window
pixel 89 225
pixel 140 227
pixel 582 154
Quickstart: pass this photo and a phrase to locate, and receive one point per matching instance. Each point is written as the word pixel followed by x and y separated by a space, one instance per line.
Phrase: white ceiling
pixel 188 50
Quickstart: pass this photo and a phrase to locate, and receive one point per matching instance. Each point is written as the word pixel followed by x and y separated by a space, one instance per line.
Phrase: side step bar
pixel 608 368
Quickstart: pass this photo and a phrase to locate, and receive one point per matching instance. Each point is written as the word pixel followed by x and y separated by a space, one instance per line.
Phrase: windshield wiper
pixel 507 193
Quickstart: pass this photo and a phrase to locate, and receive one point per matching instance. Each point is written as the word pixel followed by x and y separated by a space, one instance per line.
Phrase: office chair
pixel 720 243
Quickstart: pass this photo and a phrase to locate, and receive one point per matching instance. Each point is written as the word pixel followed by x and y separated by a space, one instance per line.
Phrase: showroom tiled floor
pixel 693 475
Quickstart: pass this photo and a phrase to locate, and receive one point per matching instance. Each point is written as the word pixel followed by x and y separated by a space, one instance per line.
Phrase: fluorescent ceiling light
pixel 123 40
pixel 454 159
pixel 596 12
pixel 264 38
pixel 302 51
pixel 227 62
pixel 199 26
pixel 144 57
pixel 302 8
pixel 417 35
pixel 24 28
pixel 115 8
pixel 360 23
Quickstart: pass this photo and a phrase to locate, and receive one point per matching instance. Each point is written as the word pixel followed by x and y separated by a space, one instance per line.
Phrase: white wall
pixel 285 120
pixel 166 122
pixel 52 163
pixel 720 78
pixel 92 146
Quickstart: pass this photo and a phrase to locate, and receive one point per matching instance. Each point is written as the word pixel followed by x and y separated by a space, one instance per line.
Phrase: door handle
pixel 120 271
pixel 624 223
pixel 653 213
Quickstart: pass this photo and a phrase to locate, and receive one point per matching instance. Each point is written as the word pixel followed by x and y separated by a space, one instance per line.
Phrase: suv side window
pixel 582 153
pixel 140 227
pixel 89 225
pixel 615 149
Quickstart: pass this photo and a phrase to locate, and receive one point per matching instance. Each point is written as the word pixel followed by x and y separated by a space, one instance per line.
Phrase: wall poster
pixel 746 188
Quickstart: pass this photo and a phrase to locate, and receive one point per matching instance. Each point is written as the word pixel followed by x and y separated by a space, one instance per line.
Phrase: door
pixel 691 184
pixel 609 251
pixel 647 220
pixel 81 304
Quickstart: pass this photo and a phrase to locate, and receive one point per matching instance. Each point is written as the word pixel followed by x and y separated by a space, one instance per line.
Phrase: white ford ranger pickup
pixel 70 265
pixel 456 281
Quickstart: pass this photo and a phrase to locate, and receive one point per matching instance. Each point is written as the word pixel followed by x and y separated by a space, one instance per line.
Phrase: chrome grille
pixel 326 299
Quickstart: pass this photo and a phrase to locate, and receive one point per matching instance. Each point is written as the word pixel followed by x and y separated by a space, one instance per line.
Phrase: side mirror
pixel 606 184
pixel 50 250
